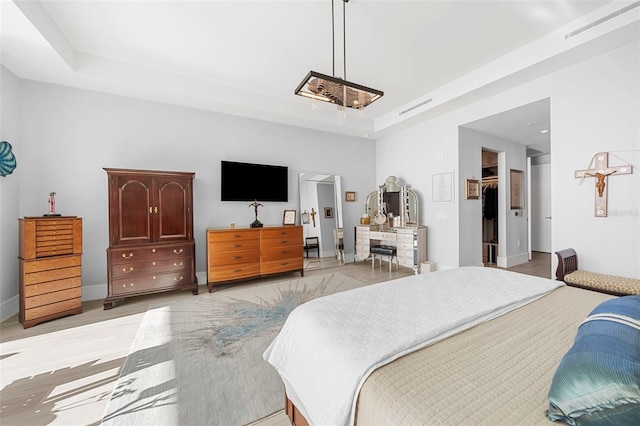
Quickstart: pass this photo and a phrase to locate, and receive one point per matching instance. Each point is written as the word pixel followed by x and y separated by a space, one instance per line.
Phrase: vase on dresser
pixel 151 244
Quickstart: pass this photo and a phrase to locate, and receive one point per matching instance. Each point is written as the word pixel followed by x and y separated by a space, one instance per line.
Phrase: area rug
pixel 199 360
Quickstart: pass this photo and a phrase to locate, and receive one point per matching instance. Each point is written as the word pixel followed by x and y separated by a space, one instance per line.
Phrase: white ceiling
pixel 246 57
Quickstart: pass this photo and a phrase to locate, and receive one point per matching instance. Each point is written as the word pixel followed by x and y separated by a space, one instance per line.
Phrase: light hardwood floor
pixel 62 372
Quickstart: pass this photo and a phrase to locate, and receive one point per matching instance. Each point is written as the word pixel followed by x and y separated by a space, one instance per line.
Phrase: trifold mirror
pixel 321 212
pixel 392 201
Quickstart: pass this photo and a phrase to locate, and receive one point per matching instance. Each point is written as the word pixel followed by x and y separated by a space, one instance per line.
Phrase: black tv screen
pixel 248 182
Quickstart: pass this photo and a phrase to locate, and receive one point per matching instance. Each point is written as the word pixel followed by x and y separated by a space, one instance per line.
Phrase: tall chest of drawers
pixel 50 263
pixel 234 254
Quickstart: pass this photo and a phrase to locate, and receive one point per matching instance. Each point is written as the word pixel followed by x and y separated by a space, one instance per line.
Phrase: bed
pixel 493 366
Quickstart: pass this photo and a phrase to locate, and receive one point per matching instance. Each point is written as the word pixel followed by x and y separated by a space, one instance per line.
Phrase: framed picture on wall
pixel 349 196
pixel 289 217
pixel 515 189
pixel 328 212
pixel 472 189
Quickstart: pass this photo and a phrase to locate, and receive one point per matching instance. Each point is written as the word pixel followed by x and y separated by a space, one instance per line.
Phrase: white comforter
pixel 330 345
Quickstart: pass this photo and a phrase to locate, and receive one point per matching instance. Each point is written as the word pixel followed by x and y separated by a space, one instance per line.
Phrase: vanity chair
pixel 380 252
pixel 389 228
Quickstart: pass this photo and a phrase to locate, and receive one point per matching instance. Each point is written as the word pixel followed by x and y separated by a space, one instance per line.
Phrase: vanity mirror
pixel 393 197
pixel 320 193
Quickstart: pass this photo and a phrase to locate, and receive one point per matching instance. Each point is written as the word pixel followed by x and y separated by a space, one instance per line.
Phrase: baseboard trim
pixel 9 308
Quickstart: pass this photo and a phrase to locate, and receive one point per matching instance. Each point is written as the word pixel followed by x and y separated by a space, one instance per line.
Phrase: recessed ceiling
pixel 247 57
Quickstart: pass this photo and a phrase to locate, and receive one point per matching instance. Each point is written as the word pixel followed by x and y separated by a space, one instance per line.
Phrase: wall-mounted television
pixel 248 182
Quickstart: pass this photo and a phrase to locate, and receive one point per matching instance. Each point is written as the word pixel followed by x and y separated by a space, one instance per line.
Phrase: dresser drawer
pixel 226 235
pixel 287 233
pixel 150 282
pixel 51 263
pixel 405 237
pixel 281 241
pixel 405 246
pixel 49 298
pixel 233 245
pixel 234 257
pixel 362 235
pixel 56 309
pixel 231 272
pixel 52 275
pixel 280 266
pixel 52 286
pixel 269 254
pixel 403 261
pixel 122 270
pixel 383 236
pixel 136 254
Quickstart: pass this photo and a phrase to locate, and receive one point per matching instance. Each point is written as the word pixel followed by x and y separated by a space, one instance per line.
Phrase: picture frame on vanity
pixel 328 212
pixel 349 196
pixel 472 189
pixel 289 217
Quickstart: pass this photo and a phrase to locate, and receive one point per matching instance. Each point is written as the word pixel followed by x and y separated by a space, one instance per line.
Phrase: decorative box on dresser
pixel 410 243
pixel 50 261
pixel 234 254
pixel 151 243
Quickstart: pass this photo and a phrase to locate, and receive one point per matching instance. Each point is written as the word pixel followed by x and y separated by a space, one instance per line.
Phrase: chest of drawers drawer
pixel 145 283
pixel 137 254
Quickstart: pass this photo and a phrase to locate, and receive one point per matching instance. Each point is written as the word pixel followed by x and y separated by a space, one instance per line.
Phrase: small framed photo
pixel 305 217
pixel 328 212
pixel 289 217
pixel 349 196
pixel 472 189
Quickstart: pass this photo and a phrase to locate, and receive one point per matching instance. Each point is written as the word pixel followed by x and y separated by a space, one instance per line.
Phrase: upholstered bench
pixel 383 251
pixel 568 272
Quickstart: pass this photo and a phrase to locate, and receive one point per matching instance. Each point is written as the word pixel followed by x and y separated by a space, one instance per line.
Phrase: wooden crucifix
pixel 601 171
pixel 313 216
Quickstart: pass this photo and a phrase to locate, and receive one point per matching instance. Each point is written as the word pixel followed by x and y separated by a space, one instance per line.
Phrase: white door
pixel 541 208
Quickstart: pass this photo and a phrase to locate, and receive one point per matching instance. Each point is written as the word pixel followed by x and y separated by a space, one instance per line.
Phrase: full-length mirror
pixel 393 200
pixel 321 213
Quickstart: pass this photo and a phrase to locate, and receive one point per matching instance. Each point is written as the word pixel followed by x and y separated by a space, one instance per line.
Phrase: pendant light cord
pixel 333 40
pixel 344 37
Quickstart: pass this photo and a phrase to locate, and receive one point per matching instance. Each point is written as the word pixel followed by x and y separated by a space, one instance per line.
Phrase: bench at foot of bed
pixel 568 272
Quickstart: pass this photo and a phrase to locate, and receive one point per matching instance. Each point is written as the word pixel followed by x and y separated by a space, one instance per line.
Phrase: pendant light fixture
pixel 333 89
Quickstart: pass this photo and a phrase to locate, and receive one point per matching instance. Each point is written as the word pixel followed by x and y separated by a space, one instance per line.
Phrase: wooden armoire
pixel 151 244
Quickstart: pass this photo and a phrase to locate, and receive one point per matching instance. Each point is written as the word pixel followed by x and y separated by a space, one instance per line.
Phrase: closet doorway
pixel 489 207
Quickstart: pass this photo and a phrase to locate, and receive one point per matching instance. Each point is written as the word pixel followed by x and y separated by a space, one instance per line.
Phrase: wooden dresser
pixel 151 245
pixel 234 254
pixel 50 258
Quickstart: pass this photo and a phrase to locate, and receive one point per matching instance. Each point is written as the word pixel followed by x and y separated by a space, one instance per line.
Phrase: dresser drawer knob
pixel 127 270
pixel 125 286
pixel 177 251
pixel 178 279
pixel 178 264
pixel 129 256
pixel 153 250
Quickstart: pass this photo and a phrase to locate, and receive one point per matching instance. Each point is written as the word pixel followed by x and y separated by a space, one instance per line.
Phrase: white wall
pixel 594 108
pixel 68 135
pixel 9 186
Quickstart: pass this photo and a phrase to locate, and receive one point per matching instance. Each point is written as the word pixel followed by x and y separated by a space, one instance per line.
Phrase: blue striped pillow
pixel 598 379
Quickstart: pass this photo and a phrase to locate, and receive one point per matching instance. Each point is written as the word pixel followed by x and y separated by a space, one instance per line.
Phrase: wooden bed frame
pixel 295 416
